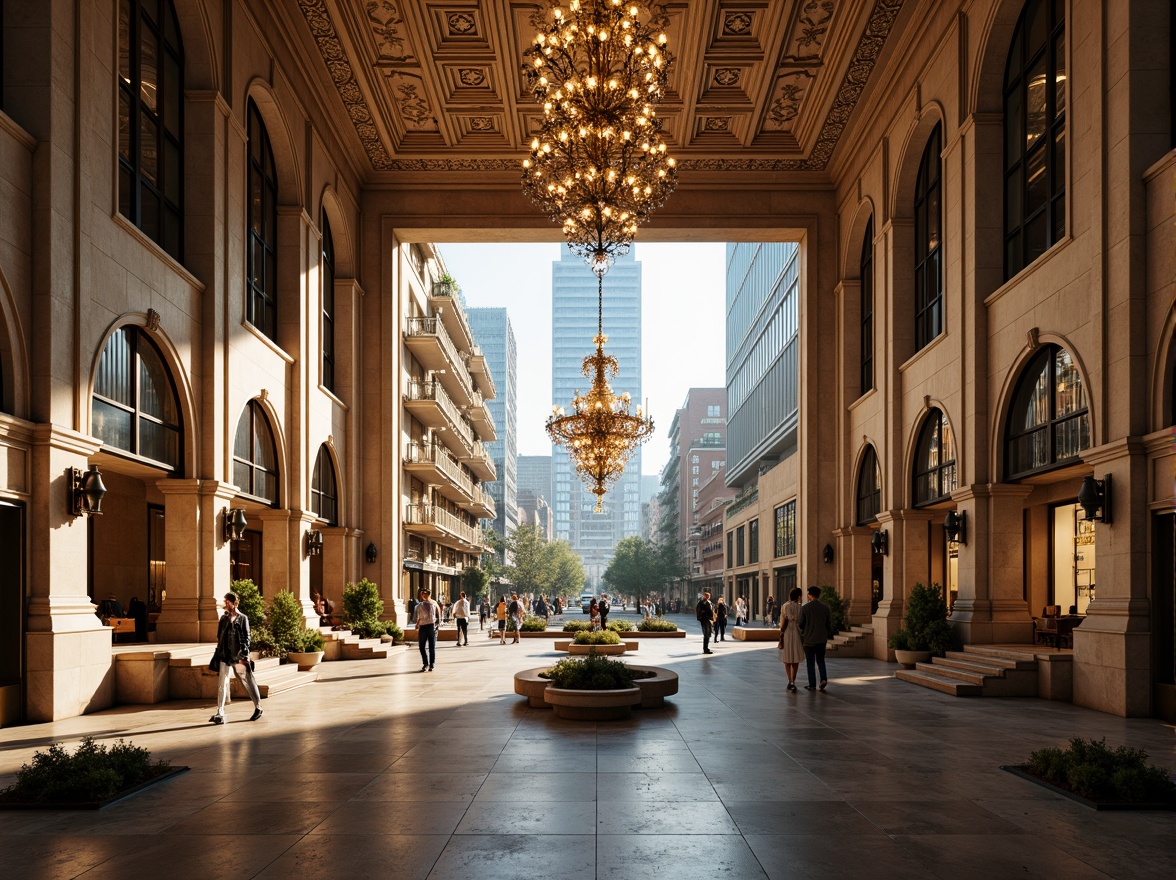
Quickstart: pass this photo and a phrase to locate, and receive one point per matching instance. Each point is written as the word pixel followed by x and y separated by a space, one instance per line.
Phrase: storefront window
pixel 1049 423
pixel 1073 564
pixel 935 466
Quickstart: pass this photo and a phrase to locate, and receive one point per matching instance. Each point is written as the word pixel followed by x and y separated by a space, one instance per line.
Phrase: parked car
pixel 586 601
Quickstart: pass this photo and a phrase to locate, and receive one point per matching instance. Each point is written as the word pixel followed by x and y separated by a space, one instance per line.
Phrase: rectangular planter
pixel 636 634
pixel 1086 802
pixel 94 805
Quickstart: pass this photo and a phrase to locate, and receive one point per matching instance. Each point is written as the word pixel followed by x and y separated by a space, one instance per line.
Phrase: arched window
pixel 869 488
pixel 135 408
pixel 935 465
pixel 866 274
pixel 151 121
pixel 1049 423
pixel 255 457
pixel 328 276
pixel 1035 135
pixel 928 245
pixel 262 245
pixel 324 494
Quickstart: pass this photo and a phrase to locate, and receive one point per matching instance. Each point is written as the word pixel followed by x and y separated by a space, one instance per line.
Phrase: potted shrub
pixel 600 637
pixel 926 630
pixel 533 624
pixel 362 607
pixel 308 650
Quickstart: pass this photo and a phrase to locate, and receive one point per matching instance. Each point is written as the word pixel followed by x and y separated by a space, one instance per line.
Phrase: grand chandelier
pixel 598 164
pixel 600 433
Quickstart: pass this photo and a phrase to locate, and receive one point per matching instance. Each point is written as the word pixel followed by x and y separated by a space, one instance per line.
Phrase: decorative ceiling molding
pixel 468 71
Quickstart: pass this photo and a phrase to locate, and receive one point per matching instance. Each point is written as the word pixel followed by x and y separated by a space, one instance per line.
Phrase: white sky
pixel 682 334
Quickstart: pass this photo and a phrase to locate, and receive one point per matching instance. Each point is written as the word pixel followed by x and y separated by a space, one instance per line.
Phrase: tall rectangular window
pixel 753 541
pixel 730 550
pixel 786 529
pixel 867 281
pixel 739 553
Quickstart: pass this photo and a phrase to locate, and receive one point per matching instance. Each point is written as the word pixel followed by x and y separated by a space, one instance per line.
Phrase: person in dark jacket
pixel 720 620
pixel 232 655
pixel 815 627
pixel 704 613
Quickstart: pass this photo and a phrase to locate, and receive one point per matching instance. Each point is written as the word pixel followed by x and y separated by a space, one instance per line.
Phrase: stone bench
pixel 756 634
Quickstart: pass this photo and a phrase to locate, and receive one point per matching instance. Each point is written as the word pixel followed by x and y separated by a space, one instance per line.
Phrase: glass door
pixel 1072 563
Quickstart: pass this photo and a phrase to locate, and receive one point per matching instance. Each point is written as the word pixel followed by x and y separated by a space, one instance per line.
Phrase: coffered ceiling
pixel 758 85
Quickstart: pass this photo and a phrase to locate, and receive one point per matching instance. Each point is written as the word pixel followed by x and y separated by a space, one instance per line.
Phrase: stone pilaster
pixel 1112 647
pixel 69 663
pixel 854 559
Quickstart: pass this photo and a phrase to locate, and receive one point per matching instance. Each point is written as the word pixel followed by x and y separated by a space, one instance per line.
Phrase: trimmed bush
pixel 1092 770
pixel 838 615
pixel 576 626
pixel 286 622
pixel 533 624
pixel 657 625
pixel 600 637
pixel 251 604
pixel 395 631
pixel 362 607
pixel 925 624
pixel 590 674
pixel 619 626
pixel 262 641
pixel 92 773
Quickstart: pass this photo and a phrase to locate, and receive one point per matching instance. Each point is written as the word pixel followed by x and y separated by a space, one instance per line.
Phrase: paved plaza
pixel 379 770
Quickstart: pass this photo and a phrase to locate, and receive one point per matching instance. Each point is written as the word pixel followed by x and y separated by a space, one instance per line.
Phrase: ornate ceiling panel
pixel 435 85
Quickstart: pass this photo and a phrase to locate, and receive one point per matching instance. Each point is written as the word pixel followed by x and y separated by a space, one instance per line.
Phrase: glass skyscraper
pixel 573 325
pixel 763 294
pixel 493 335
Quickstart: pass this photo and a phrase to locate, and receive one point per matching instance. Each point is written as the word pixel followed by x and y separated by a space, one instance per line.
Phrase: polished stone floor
pixel 379 770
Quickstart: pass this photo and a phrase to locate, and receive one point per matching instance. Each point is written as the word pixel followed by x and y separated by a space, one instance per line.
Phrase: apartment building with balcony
pixel 446 427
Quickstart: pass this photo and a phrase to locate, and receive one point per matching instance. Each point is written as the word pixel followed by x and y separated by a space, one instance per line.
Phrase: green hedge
pixel 533 624
pixel 92 773
pixel 590 674
pixel 600 637
pixel 657 625
pixel 576 626
pixel 1091 769
pixel 619 626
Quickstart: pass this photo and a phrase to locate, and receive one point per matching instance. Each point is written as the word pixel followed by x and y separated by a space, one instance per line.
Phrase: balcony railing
pixel 431 453
pixel 417 390
pixel 432 327
pixel 432 515
pixel 480 452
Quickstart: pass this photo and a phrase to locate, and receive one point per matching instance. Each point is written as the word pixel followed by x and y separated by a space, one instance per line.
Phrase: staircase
pixel 857 642
pixel 978 671
pixel 355 648
pixel 189 677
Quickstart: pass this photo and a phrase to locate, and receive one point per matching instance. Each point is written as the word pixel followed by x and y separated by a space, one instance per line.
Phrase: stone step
pixel 939 683
pixel 970 676
pixel 971 665
pixel 355 648
pixel 274 680
pixel 974 658
pixel 867 628
pixel 1025 659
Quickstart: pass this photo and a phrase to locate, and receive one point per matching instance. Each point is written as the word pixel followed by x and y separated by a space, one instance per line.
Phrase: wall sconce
pixel 827 553
pixel 1095 498
pixel 86 491
pixel 371 553
pixel 235 524
pixel 956 526
pixel 880 542
pixel 314 542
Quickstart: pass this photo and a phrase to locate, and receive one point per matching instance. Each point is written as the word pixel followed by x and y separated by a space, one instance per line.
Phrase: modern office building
pixel 698 450
pixel 534 475
pixel 763 348
pixel 217 303
pixel 573 326
pixel 494 336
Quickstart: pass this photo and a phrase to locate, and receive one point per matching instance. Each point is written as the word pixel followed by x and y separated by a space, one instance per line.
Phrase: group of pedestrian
pixel 804 632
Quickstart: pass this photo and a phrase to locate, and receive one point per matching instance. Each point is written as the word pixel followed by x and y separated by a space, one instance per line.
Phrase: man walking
pixel 814 625
pixel 232 656
pixel 461 613
pixel 705 612
pixel 605 608
pixel 426 616
pixel 515 610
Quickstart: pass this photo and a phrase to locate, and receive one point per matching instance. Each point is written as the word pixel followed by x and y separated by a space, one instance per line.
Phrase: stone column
pixel 69 657
pixel 197 558
pixel 854 560
pixel 887 620
pixel 972 612
pixel 278 549
pixel 1112 647
pixel 1009 619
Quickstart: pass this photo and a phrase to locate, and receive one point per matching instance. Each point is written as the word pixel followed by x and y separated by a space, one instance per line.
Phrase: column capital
pixel 1008 490
pixel 58 437
pixel 1124 447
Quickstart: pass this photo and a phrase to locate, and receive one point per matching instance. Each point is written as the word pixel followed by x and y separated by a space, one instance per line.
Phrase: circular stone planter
pixel 600 650
pixel 592 705
pixel 663 683
pixel 305 659
pixel 908 659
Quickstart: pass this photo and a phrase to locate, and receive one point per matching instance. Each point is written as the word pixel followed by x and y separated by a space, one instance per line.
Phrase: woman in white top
pixel 790 648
